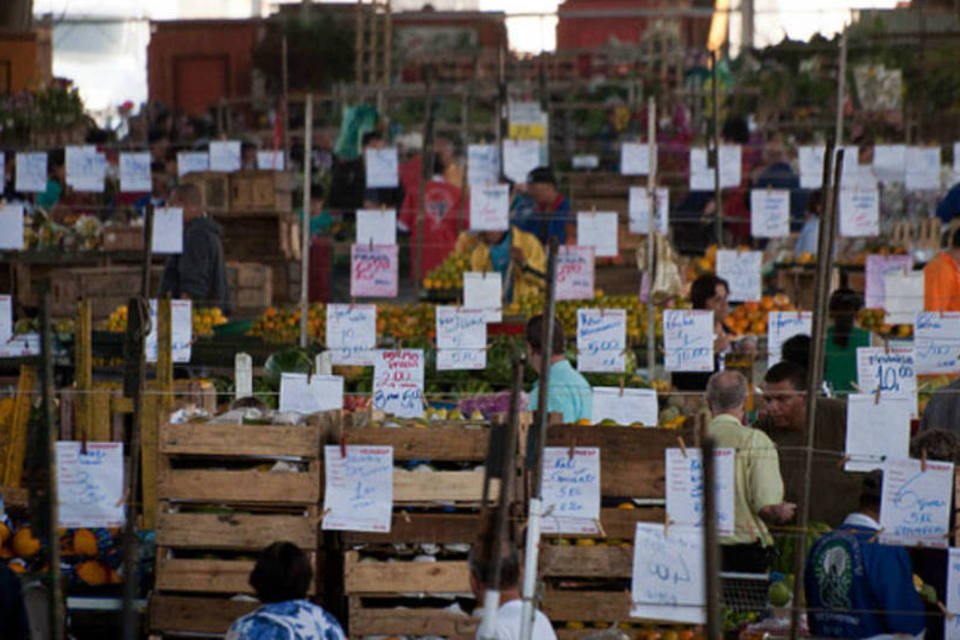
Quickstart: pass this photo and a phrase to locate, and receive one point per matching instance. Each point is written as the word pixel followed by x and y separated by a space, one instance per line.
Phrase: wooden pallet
pixel 219 506
pixel 375 587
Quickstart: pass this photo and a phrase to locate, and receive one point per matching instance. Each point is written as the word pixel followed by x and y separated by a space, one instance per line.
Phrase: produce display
pixel 875 320
pixel 449 274
pixel 204 320
pixel 750 318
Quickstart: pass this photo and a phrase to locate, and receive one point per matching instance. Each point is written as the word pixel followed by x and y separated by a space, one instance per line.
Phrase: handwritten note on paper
pixel 90 485
pixel 225 155
pixel 21 346
pixel 915 505
pixel 890 162
pixel 358 493
pixel 902 296
pixel 167 234
pixel 684 475
pixel 627 407
pixel 731 165
pixel 398 382
pixel 877 267
pixel 639 210
pixel 601 340
pixel 951 624
pixel 490 207
pixel 811 166
pixel 181 317
pixel 484 290
pixel 783 325
pixel 310 394
pixel 382 168
pixel 923 169
pixel 688 340
pixel 6 318
pixel 373 271
pixel 892 371
pixel 701 174
pixel 520 157
pixel 770 213
pixel 635 158
pixel 668 576
pixel 937 342
pixel 270 160
pixel 80 165
pixel 598 229
pixel 351 333
pixel 461 338
pixel 876 430
pixel 585 161
pixel 31 172
pixel 483 164
pixel 741 269
pixel 11 227
pixel 135 172
pixel 376 226
pixel 859 213
pixel 571 490
pixel 192 162
pixel 575 273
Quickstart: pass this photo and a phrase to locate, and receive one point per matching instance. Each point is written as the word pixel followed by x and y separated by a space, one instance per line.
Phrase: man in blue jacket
pixel 856 587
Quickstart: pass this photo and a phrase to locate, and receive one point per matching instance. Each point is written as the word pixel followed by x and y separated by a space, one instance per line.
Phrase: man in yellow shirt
pixel 941 278
pixel 758 486
pixel 514 253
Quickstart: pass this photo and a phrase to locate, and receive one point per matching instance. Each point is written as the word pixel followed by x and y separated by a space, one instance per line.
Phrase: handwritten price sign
pixel 398 382
pixel 90 485
pixel 373 271
pixel 859 213
pixel 890 371
pixel 684 471
pixel 359 488
pixel 688 340
pixel 571 490
pixel 915 507
pixel 489 207
pixel 575 273
pixel 351 333
pixel 668 575
pixel 937 342
pixel 601 340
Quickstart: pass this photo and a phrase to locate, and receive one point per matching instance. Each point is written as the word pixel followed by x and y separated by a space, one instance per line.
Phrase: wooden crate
pixel 123 238
pixel 219 505
pixel 255 238
pixel 105 287
pixel 375 587
pixel 261 191
pixel 214 189
pixel 250 285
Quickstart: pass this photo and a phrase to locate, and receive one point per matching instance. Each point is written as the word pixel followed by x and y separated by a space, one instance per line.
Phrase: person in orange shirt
pixel 941 276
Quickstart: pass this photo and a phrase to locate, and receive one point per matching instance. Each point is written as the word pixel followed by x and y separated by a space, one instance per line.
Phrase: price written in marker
pixel 358 493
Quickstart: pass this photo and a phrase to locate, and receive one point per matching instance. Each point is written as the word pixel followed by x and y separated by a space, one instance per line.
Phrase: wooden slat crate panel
pixel 587 562
pixel 631 460
pixel 403 577
pixel 410 443
pixel 608 606
pixel 240 440
pixel 187 575
pixel 436 528
pixel 411 622
pixel 439 486
pixel 184 614
pixel 240 487
pixel 234 531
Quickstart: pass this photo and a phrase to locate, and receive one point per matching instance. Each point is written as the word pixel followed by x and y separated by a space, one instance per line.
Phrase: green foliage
pixel 320 52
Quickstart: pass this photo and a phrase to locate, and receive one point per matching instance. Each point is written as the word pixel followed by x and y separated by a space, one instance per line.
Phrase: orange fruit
pixel 93 573
pixel 25 545
pixel 85 543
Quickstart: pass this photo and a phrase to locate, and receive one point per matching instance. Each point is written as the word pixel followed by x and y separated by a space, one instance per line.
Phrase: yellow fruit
pixel 93 573
pixel 25 545
pixel 584 422
pixel 4 534
pixel 85 543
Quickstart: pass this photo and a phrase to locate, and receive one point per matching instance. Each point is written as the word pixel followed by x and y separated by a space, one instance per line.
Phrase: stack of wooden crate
pixel 435 514
pixel 220 504
pixel 587 578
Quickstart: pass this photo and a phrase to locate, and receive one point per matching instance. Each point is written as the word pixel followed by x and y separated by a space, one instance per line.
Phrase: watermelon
pixel 286 361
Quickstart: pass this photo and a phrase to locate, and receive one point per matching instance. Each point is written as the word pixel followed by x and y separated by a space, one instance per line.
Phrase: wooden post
pixel 305 222
pixel 83 365
pixel 711 548
pixel 717 192
pixel 16 448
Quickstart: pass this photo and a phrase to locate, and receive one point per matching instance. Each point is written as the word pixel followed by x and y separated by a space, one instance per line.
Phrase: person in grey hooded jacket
pixel 199 272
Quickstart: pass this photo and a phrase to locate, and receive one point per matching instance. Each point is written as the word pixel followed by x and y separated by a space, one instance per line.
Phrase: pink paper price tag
pixel 373 271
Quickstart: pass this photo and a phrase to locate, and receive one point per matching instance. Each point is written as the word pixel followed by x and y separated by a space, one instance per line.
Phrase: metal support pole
pixel 426 173
pixel 305 222
pixel 717 194
pixel 651 231
pixel 815 373
pixel 285 105
pixel 841 89
pixel 532 553
pixel 711 548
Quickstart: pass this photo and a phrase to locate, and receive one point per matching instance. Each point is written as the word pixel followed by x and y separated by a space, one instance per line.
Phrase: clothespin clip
pixel 621 386
pixel 683 446
pixel 600 527
pixel 943 610
pixel 876 396
pixel 875 536
pixel 923 460
pixel 886 344
pixel 123 498
pixel 857 387
pixel 406 516
pixel 343 444
pixel 666 525
pixel 371 244
pixel 573 449
pixel 325 513
pixel 844 460
pixel 83 443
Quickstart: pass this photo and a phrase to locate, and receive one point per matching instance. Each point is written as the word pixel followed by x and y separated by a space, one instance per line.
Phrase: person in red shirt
pixel 444 216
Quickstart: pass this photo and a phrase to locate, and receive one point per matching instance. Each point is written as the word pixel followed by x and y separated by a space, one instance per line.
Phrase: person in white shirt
pixel 509 613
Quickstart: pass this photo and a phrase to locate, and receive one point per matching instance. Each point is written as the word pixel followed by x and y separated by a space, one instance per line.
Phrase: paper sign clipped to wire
pixel 225 155
pixel 627 407
pixel 90 484
pixel 181 318
pixel 461 338
pixel 11 227
pixel 382 168
pixel 741 269
pixel 571 490
pixel 601 340
pixel 783 325
pixel 310 394
pixel 639 209
pixel 358 493
pixel 135 172
pixel 635 158
pixel 937 342
pixel 769 213
pixel 490 207
pixel 688 340
pixel 878 429
pixel 575 273
pixel 951 622
pixel 484 290
pixel 351 333
pixel 398 382
pixel 376 226
pixel 668 574
pixel 684 476
pixel 598 229
pixel 374 271
pixel 892 371
pixel 915 506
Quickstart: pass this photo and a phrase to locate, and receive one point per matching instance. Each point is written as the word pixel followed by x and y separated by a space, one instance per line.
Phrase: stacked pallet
pixel 221 500
pixel 414 581
pixel 587 578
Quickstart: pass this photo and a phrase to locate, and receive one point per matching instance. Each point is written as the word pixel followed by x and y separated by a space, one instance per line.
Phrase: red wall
pixel 223 48
pixel 574 32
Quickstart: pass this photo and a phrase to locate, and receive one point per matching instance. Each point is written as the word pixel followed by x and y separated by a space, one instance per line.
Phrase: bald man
pixel 758 486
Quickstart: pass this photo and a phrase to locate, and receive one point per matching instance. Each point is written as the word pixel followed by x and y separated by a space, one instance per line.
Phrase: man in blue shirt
pixel 568 392
pixel 551 216
pixel 856 587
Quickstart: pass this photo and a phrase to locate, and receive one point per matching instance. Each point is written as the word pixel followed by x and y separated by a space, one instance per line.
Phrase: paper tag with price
pixel 461 338
pixel 398 382
pixel 688 340
pixel 601 340
pixel 937 342
pixel 490 207
pixel 373 272
pixel 684 474
pixel 668 576
pixel 859 213
pixel 891 371
pixel 181 317
pixel 90 485
pixel 878 429
pixel 575 273
pixel 571 490
pixel 351 333
pixel 915 506
pixel 358 492
pixel 769 213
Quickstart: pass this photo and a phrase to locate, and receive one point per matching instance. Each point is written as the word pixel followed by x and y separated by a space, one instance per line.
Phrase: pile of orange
pixel 750 318
pixel 282 326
